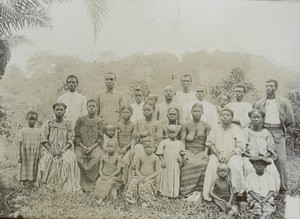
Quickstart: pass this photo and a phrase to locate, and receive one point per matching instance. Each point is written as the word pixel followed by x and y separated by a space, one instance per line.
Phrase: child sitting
pixel 221 190
pixel 142 188
pixel 110 173
pixel 173 117
pixel 169 151
pixel 30 139
pixel 261 188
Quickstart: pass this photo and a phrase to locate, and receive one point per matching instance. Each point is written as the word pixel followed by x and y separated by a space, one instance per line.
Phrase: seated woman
pixel 193 137
pixel 259 141
pixel 88 150
pixel 227 143
pixel 58 164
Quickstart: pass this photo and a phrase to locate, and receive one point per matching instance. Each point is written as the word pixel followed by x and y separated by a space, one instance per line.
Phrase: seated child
pixel 110 173
pixel 261 188
pixel 221 191
pixel 142 188
pixel 30 139
pixel 169 152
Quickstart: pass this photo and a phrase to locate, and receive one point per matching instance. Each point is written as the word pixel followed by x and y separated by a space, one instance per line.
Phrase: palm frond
pixel 13 41
pixel 49 2
pixel 37 18
pixel 98 11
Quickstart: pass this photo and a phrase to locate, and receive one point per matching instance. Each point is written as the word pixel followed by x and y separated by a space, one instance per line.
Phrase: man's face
pixel 200 93
pixel 110 81
pixel 186 82
pixel 138 98
pixel 259 167
pixel 169 93
pixel 270 88
pixel 239 93
pixel 225 117
pixel 72 84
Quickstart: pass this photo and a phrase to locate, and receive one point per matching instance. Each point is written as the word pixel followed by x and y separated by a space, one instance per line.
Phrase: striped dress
pixel 30 140
pixel 63 170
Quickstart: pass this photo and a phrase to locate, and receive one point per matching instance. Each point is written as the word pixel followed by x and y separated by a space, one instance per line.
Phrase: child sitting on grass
pixel 142 188
pixel 30 139
pixel 221 190
pixel 261 188
pixel 110 173
pixel 169 152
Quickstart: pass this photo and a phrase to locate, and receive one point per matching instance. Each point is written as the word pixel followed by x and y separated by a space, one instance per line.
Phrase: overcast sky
pixel 266 28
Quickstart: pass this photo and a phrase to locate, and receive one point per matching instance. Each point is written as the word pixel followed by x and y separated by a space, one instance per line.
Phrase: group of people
pixel 184 146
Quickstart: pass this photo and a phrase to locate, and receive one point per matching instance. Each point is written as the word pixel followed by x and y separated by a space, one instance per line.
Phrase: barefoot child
pixel 30 139
pixel 110 173
pixel 261 188
pixel 142 188
pixel 169 152
pixel 221 190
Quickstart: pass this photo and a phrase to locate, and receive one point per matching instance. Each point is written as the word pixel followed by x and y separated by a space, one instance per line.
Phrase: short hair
pixel 197 105
pixel 274 81
pixel 111 73
pixel 32 113
pixel 259 111
pixel 149 104
pixel 172 128
pixel 228 110
pixel 148 139
pixel 107 126
pixel 127 106
pixel 222 96
pixel 173 108
pixel 72 76
pixel 59 104
pixel 91 101
pixel 112 142
pixel 138 92
pixel 222 166
pixel 241 86
pixel 186 76
pixel 169 86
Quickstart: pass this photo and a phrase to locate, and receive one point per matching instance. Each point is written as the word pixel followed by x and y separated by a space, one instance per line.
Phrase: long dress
pixel 169 180
pixel 63 170
pixel 30 139
pixel 260 143
pixel 88 132
pixel 192 174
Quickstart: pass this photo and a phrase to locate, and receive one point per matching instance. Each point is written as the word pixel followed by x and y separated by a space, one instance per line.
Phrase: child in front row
pixel 30 139
pixel 170 151
pixel 221 191
pixel 110 179
pixel 142 188
pixel 261 188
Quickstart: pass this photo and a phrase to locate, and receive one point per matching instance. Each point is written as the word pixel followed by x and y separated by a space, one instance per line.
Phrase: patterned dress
pixel 30 139
pixel 88 132
pixel 63 170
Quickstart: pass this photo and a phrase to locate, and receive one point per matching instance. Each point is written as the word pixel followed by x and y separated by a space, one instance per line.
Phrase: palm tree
pixel 18 14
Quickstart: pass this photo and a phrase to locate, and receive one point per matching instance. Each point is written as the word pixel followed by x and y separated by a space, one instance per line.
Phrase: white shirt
pixel 210 114
pixel 260 185
pixel 184 98
pixel 241 110
pixel 272 113
pixel 76 105
pixel 137 111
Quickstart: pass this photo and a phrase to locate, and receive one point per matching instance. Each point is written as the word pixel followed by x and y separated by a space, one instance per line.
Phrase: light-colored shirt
pixel 260 185
pixel 210 114
pixel 184 98
pixel 137 112
pixel 76 106
pixel 272 113
pixel 162 112
pixel 240 110
pixel 110 105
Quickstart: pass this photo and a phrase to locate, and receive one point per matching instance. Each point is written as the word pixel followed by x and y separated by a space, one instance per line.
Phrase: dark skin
pixel 239 93
pixel 59 112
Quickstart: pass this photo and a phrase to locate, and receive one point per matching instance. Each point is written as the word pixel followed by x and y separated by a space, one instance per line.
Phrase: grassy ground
pixel 50 202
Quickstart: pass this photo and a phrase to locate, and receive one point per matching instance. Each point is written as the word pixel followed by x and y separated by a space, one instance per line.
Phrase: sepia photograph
pixel 150 109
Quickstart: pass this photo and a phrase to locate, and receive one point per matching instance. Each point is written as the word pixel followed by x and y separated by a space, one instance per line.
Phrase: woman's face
pixel 197 112
pixel 256 119
pixel 126 114
pixel 225 117
pixel 59 111
pixel 148 111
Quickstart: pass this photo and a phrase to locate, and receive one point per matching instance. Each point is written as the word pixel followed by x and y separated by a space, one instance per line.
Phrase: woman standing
pixel 58 164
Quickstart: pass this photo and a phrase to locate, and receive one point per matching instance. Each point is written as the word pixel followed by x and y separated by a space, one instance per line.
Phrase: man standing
pixel 137 106
pixel 162 108
pixel 186 95
pixel 75 102
pixel 110 101
pixel 279 116
pixel 210 114
pixel 239 107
